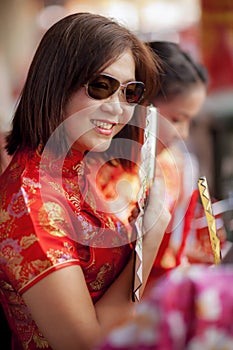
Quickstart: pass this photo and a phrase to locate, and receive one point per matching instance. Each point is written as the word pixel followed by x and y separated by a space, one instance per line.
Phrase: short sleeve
pixel 39 236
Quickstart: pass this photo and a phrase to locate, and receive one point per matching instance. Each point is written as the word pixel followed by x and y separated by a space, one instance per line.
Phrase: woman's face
pixel 176 115
pixel 95 122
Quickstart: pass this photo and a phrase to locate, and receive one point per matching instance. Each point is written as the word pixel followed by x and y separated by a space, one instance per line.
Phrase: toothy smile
pixel 103 125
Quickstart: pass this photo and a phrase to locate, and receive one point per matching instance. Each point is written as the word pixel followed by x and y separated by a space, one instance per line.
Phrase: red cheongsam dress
pixel 49 220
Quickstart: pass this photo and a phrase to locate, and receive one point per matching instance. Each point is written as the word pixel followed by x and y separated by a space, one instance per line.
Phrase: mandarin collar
pixel 74 163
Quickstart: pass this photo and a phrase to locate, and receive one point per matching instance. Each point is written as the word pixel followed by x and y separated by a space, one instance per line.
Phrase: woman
pixel 182 92
pixel 66 267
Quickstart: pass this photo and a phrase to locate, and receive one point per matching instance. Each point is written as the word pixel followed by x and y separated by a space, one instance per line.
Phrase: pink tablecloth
pixel 191 309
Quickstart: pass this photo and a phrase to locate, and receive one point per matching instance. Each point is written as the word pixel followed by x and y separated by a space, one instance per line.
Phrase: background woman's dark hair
pixel 69 54
pixel 180 71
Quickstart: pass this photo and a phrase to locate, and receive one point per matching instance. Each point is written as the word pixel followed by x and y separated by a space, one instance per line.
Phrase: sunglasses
pixel 104 86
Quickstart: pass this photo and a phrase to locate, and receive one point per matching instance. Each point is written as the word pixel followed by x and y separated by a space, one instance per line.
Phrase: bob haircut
pixel 69 54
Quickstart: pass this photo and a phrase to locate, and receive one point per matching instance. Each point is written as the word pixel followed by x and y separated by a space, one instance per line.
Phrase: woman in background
pixel 182 92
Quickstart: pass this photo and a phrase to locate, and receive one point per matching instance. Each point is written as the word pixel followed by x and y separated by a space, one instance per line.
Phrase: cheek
pixel 73 105
pixel 126 117
pixel 128 114
pixel 78 102
pixel 165 127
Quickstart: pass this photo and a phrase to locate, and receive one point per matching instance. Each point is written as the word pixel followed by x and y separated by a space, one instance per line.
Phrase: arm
pixel 61 304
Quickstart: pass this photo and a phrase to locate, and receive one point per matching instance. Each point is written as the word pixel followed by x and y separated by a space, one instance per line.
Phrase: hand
pixel 155 221
pixel 156 212
pixel 157 215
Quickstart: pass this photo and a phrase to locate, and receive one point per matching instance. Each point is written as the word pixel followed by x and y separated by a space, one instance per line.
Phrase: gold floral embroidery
pixel 40 265
pixel 57 256
pixel 17 207
pixel 16 271
pixel 101 277
pixel 51 216
pixel 75 201
pixel 10 252
pixel 15 171
pixel 27 241
pixel 29 270
pixel 79 168
pixel 40 341
pixel 31 183
pixel 4 216
pixel 89 231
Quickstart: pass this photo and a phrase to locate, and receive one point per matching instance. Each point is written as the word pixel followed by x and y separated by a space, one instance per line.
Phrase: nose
pixel 113 105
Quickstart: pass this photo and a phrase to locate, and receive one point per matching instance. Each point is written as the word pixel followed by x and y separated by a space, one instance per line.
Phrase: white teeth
pixel 102 125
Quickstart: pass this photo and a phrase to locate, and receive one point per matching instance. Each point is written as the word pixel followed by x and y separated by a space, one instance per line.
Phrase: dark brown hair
pixel 180 71
pixel 70 52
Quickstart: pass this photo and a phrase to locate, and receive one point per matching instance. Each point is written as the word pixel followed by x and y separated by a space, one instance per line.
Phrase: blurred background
pixel 202 27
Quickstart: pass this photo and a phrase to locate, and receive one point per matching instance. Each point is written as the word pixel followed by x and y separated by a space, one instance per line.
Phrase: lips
pixel 103 127
pixel 103 124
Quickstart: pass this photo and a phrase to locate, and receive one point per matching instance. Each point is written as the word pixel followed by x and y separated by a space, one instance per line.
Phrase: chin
pixel 101 147
pixel 92 147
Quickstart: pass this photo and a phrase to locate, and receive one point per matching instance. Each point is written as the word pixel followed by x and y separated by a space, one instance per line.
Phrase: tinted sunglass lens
pixel 102 87
pixel 134 92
